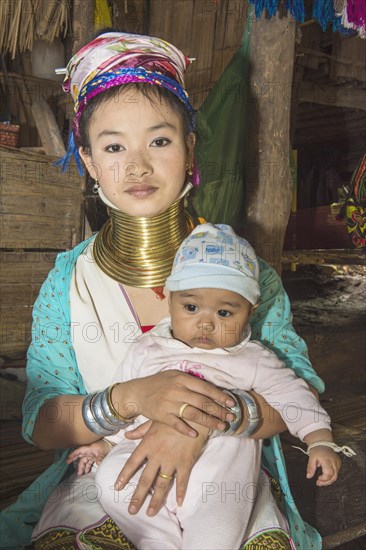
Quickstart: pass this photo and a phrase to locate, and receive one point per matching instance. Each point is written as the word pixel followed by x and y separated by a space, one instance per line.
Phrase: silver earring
pixel 96 186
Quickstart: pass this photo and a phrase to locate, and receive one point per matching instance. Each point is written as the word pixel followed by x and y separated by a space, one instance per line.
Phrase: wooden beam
pixel 324 256
pixel 336 96
pixel 269 181
pixel 83 16
pixel 338 59
pixel 347 535
pixel 47 128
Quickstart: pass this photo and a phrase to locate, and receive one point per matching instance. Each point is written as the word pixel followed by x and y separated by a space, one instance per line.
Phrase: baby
pixel 213 293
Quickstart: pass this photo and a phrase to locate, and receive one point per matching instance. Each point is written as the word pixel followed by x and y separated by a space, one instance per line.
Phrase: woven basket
pixel 9 134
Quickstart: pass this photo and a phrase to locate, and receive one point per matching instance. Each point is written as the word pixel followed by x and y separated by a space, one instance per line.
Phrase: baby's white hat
pixel 213 256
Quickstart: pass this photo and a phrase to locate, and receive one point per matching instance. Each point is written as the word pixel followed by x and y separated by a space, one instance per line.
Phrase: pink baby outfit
pixel 222 487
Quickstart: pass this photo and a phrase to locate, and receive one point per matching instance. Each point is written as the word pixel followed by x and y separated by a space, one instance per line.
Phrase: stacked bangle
pixel 252 414
pixel 99 414
pixel 253 417
pixel 113 409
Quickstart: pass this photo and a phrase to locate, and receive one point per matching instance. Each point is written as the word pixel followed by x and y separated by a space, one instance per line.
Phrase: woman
pixel 134 131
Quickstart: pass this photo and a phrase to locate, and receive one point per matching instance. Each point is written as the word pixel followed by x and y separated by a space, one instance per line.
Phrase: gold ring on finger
pixel 165 476
pixel 182 409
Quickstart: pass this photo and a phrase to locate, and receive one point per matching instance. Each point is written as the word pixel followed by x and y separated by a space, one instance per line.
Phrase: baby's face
pixel 209 318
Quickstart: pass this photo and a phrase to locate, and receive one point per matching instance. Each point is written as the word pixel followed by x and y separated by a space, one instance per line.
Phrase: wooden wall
pixel 208 31
pixel 41 213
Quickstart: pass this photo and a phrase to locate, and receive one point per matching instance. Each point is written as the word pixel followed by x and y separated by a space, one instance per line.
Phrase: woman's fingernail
pixel 179 501
pixel 118 485
pixel 132 509
pixel 230 417
pixel 150 511
pixel 230 403
pixel 221 426
pixel 192 433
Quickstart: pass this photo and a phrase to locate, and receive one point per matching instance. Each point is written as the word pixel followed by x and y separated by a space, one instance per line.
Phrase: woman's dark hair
pixel 152 93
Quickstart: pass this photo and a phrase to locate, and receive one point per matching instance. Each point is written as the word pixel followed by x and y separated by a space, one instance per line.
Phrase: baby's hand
pixel 326 459
pixel 87 455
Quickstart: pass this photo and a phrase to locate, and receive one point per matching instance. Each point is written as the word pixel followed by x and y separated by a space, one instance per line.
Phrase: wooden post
pixel 82 23
pixel 269 182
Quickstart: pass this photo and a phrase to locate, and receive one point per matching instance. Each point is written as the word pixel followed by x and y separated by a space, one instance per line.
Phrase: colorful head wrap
pixel 114 59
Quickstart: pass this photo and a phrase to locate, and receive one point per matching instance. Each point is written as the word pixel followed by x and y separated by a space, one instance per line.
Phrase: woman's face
pixel 138 153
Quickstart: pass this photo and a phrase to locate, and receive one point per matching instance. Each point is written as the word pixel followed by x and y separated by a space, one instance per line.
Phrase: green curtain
pixel 221 144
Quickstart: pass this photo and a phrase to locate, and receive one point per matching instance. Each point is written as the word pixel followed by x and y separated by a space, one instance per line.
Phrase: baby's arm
pixel 87 455
pixel 322 457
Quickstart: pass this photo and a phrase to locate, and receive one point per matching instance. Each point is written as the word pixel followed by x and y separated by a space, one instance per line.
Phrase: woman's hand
pixel 167 396
pixel 165 451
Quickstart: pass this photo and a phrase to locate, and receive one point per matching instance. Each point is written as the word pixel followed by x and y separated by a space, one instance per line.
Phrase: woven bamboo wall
pixel 41 212
pixel 207 30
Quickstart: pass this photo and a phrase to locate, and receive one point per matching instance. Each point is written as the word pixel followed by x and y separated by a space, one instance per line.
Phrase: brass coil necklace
pixel 139 251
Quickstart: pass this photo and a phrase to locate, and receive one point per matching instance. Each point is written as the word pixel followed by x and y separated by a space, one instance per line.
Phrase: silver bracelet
pixel 253 416
pixel 105 418
pixel 235 424
pixel 108 413
pixel 90 420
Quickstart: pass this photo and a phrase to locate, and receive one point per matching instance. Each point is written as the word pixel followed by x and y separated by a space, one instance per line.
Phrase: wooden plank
pixel 15 339
pixel 180 34
pixel 201 33
pixel 310 40
pixel 27 265
pixel 217 65
pixel 349 59
pixel 32 150
pixel 334 508
pixel 134 21
pixel 336 96
pixel 34 232
pixel 241 18
pixel 351 413
pixel 17 295
pixel 38 167
pixel 40 207
pixel 47 128
pixel 231 26
pixel 203 42
pixel 19 466
pixel 21 276
pixel 160 18
pixel 324 256
pixel 336 58
pixel 347 535
pixel 352 126
pixel 220 27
